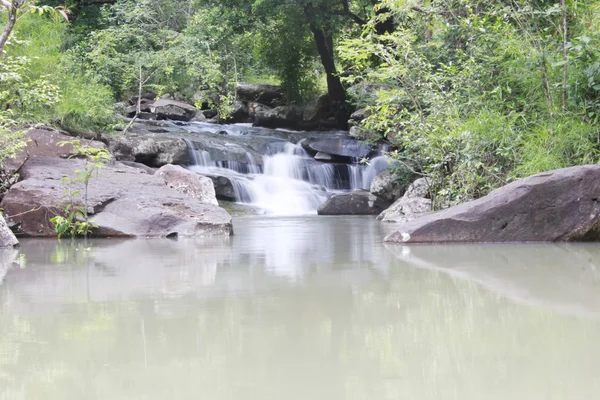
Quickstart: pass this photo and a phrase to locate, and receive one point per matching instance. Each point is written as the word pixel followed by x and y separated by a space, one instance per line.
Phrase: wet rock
pixel 223 187
pixel 340 147
pixel 355 203
pixel 120 147
pixel 175 110
pixel 122 201
pixel 556 206
pixel 7 237
pixel 239 113
pixel 259 93
pixel 151 151
pixel 389 185
pixel 414 204
pixel 320 156
pixel 189 183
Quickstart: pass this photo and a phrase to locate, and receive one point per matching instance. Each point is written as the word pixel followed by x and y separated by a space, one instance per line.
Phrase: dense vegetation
pixel 470 93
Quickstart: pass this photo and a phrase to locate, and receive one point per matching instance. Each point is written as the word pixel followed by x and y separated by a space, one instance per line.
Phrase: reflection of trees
pixel 419 334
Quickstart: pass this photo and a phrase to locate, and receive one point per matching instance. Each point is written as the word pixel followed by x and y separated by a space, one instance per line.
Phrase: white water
pixel 291 182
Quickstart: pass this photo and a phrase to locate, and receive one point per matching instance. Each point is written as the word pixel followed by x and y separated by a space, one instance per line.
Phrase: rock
pixel 320 156
pixel 120 147
pixel 141 167
pixel 7 237
pixel 355 203
pixel 359 115
pixel 209 114
pixel 189 183
pixel 239 113
pixel 418 189
pixel 556 206
pixel 223 187
pixel 45 143
pixel 355 132
pixel 340 147
pixel 278 117
pixel 122 201
pixel 171 152
pixel 145 107
pixel 259 93
pixel 412 205
pixel 171 109
pixel 151 151
pixel 389 185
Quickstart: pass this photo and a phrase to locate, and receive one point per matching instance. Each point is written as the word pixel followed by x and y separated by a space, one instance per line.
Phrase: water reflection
pixel 299 308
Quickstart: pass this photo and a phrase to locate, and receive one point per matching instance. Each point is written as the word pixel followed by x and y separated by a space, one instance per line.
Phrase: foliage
pixel 75 221
pixel 477 94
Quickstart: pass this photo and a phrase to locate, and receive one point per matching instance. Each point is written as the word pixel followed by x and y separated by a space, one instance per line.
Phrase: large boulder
pixel 8 239
pixel 556 206
pixel 189 183
pixel 259 93
pixel 122 201
pixel 171 109
pixel 355 203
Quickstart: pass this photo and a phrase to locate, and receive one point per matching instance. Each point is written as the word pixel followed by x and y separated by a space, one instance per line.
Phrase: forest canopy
pixel 469 93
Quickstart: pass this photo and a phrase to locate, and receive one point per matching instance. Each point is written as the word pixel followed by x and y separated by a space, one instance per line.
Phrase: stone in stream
pixel 189 183
pixel 556 206
pixel 122 201
pixel 354 203
pixel 175 110
pixel 339 147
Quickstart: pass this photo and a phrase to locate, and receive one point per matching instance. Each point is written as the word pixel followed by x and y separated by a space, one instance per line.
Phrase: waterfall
pixel 290 181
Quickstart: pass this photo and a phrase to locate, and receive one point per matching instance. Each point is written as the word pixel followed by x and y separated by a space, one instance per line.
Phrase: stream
pixel 275 171
pixel 300 307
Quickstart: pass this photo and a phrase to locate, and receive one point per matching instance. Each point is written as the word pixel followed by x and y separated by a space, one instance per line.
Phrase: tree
pixel 14 7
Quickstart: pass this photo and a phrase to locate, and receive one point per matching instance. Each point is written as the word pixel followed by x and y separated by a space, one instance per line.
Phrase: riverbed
pixel 299 308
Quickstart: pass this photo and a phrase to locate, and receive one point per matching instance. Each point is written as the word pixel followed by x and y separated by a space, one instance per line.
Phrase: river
pixel 299 308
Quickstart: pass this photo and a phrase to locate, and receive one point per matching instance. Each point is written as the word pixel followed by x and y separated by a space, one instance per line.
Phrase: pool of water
pixel 299 308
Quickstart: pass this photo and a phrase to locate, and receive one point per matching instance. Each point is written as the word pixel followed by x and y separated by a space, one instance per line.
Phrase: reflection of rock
pixel 562 277
pixel 69 272
pixel 7 259
pixel 7 237
pixel 122 201
pixel 556 206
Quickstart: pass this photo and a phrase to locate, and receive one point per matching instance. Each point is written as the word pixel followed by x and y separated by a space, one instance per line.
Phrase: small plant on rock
pixel 75 221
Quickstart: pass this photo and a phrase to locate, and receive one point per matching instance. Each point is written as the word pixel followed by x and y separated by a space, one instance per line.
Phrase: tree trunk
pixel 337 93
pixel 10 24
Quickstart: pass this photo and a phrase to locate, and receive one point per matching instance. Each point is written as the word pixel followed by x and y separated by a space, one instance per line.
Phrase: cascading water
pixel 289 181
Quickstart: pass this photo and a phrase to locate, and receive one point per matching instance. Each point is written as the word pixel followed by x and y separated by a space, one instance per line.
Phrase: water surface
pixel 299 308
